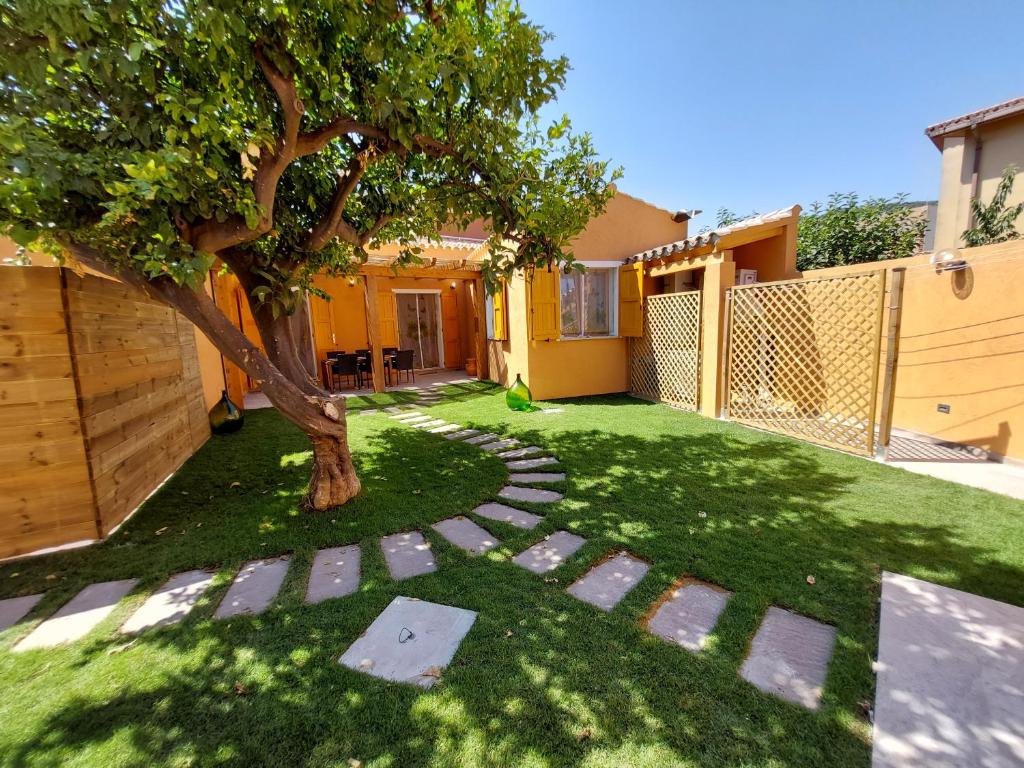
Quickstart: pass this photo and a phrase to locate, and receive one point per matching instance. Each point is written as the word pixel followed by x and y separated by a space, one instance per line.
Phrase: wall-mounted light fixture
pixel 351 281
pixel 947 260
pixel 452 285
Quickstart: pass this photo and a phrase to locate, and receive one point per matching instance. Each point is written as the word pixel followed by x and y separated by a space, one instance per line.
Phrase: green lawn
pixel 541 679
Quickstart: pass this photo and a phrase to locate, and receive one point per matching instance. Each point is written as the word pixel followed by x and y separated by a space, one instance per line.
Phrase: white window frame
pixel 489 315
pixel 613 297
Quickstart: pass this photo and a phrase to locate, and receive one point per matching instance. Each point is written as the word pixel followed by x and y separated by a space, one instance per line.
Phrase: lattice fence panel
pixel 803 358
pixel 665 361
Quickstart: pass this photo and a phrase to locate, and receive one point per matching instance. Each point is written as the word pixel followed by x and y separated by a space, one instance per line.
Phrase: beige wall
pixel 1002 144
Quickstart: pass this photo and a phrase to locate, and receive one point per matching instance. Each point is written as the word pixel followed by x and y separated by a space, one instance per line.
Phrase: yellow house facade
pixel 976 148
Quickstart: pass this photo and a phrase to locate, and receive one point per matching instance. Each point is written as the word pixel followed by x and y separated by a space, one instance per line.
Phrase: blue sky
pixel 758 105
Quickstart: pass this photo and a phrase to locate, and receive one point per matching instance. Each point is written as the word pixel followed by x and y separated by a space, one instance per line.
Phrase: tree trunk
pixel 334 479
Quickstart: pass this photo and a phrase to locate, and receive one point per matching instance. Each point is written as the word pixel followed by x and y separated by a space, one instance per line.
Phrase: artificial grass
pixel 541 679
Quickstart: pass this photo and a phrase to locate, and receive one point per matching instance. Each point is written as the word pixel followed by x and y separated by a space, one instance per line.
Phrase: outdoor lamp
pixel 947 260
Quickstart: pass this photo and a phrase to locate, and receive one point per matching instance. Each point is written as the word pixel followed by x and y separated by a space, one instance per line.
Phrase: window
pixel 489 315
pixel 588 302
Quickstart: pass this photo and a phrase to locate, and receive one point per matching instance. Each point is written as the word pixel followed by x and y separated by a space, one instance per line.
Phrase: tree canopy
pixel 997 221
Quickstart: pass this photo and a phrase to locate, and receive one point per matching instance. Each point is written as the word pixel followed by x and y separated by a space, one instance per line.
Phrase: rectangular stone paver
pixel 429 424
pixel 79 616
pixel 789 657
pixel 606 584
pixel 532 495
pixel 466 535
pixel 537 477
pixel 689 614
pixel 482 438
pixel 416 420
pixel 505 514
pixel 14 609
pixel 544 461
pixel 521 453
pixel 171 603
pixel 254 588
pixel 445 429
pixel 499 445
pixel 392 409
pixel 335 573
pixel 463 434
pixel 550 553
pixel 401 415
pixel 411 641
pixel 950 689
pixel 407 555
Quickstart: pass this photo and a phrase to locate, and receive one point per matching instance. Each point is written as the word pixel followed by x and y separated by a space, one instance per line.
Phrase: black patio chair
pixel 403 362
pixel 364 364
pixel 389 354
pixel 347 366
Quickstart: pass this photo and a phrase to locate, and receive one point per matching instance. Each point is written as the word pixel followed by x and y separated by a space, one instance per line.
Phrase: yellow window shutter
pixel 545 319
pixel 387 315
pixel 631 300
pixel 499 302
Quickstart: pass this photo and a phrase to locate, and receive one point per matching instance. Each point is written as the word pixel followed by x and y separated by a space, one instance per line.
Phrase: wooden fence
pixel 100 400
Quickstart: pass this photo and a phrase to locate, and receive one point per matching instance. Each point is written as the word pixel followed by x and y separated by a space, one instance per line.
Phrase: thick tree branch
pixel 329 226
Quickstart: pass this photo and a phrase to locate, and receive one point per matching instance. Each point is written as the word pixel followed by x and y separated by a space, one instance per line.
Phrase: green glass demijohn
pixel 518 397
pixel 225 416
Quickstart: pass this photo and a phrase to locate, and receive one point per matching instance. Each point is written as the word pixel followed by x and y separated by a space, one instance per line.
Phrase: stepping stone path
pixel 79 616
pixel 335 573
pixel 14 609
pixel 466 535
pixel 444 429
pixel 545 461
pixel 550 553
pixel 407 555
pixel 606 584
pixel 254 588
pixel 537 477
pixel 789 657
pixel 481 439
pixel 411 641
pixel 688 614
pixel 171 603
pixel 429 424
pixel 520 453
pixel 416 420
pixel 506 514
pixel 531 495
pixel 400 415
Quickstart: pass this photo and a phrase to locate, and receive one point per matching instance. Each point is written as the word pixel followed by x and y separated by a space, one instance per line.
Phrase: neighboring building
pixel 976 148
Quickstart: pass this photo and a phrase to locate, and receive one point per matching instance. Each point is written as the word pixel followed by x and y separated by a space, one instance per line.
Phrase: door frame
pixel 436 293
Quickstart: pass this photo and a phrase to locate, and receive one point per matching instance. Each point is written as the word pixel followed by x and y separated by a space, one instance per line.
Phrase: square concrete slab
pixel 505 514
pixel 171 603
pixel 466 535
pixel 13 609
pixel 407 555
pixel 335 573
pixel 606 584
pixel 789 657
pixel 79 616
pixel 544 461
pixel 950 689
pixel 486 438
pixel 445 429
pixel 520 453
pixel 412 641
pixel 550 553
pixel 688 614
pixel 532 495
pixel 254 588
pixel 537 477
pixel 499 445
pixel 463 434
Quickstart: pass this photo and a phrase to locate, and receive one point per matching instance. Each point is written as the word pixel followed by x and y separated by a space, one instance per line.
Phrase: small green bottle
pixel 518 397
pixel 225 416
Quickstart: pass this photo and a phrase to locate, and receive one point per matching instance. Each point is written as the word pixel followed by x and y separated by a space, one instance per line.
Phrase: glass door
pixel 419 327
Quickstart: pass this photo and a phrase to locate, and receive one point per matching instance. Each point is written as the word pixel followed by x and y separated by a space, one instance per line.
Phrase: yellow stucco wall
pixel 1002 144
pixel 962 344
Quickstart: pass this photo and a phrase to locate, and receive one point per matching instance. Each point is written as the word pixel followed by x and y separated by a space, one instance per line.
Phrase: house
pixel 975 148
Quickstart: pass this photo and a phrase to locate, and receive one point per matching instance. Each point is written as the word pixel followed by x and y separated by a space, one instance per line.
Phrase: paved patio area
pixel 956 463
pixel 424 381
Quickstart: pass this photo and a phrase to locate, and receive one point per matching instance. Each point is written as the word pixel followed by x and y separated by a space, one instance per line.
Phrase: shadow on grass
pixel 542 679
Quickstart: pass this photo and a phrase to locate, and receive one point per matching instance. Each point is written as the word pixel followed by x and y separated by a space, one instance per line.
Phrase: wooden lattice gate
pixel 803 358
pixel 665 361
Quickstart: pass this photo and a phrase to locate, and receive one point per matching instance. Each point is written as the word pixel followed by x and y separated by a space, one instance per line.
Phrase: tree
pixel 997 221
pixel 850 231
pixel 154 141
